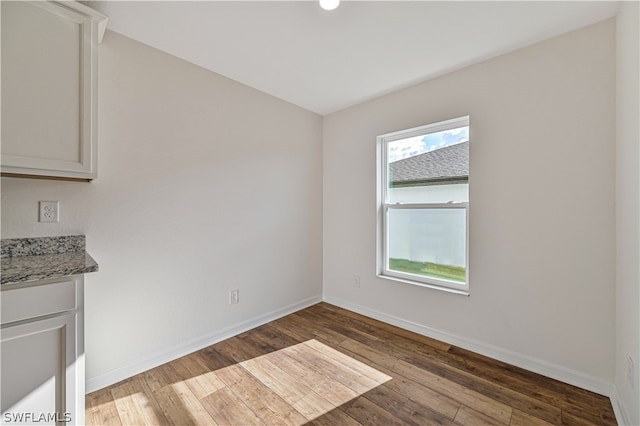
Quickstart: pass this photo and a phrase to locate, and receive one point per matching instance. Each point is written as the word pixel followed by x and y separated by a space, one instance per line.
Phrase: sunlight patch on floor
pixel 314 378
pixel 290 386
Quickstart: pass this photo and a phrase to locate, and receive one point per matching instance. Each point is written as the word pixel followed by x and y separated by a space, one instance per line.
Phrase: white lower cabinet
pixel 43 356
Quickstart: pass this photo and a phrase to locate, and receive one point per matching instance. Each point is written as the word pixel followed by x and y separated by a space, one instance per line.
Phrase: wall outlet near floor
pixel 356 281
pixel 234 297
pixel 630 371
pixel 49 211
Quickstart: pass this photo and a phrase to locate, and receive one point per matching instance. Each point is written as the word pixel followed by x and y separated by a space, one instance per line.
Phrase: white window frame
pixel 383 208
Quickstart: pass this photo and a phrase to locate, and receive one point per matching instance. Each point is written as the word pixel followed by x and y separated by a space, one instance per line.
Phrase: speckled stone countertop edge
pixel 30 259
pixel 47 266
pixel 14 247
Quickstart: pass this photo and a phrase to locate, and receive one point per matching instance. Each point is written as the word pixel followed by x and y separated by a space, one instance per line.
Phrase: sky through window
pixel 417 145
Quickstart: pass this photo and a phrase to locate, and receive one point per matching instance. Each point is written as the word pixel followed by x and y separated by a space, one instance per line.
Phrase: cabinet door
pixel 39 372
pixel 48 90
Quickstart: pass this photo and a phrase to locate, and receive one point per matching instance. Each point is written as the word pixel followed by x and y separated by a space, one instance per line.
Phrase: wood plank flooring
pixel 328 366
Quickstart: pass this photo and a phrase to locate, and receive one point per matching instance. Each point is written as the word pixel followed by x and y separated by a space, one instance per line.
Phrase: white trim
pixel 100 18
pixel 426 285
pixel 619 409
pixel 161 357
pixel 553 371
pixel 383 206
pixel 417 206
pixel 548 369
pixel 440 126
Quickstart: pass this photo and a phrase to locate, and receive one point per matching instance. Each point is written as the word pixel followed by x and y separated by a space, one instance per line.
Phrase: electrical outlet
pixel 49 211
pixel 234 297
pixel 630 372
pixel 356 281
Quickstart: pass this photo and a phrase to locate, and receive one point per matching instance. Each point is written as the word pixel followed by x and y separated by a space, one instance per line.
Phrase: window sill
pixel 419 284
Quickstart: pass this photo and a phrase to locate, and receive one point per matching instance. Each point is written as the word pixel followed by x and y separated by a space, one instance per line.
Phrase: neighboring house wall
pixel 542 216
pixel 442 238
pixel 436 236
pixel 430 193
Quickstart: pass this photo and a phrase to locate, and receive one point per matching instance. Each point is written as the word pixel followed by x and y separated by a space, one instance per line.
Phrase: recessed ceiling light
pixel 329 4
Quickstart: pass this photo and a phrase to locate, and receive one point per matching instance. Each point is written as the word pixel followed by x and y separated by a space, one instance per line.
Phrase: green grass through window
pixel 428 269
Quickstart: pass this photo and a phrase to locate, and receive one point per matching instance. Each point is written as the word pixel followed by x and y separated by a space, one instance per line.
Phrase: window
pixel 423 201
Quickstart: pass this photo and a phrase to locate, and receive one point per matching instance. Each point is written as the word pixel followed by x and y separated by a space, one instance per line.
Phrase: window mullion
pixel 461 205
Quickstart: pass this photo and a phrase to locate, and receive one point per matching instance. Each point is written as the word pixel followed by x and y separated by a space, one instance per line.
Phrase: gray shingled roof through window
pixel 444 165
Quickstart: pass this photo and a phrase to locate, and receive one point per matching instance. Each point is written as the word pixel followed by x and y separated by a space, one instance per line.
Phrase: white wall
pixel 542 216
pixel 205 185
pixel 627 209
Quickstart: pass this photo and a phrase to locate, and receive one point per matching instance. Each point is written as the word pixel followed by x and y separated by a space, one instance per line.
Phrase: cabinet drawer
pixel 38 300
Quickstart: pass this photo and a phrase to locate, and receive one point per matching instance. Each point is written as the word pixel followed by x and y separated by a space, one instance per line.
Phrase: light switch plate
pixel 49 211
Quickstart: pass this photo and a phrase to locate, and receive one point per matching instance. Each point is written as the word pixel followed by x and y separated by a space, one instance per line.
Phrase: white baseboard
pixel 622 415
pixel 161 357
pixel 547 369
pixel 554 371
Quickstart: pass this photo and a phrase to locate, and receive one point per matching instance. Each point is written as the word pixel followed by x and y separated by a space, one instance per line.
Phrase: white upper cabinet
pixel 49 88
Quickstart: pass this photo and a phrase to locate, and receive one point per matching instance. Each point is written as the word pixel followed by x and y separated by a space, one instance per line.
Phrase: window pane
pixel 428 242
pixel 429 168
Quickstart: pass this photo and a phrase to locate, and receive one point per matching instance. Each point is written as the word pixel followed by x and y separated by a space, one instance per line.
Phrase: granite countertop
pixel 27 259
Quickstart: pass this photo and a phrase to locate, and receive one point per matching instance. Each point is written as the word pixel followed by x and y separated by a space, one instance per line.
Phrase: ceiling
pixel 325 61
